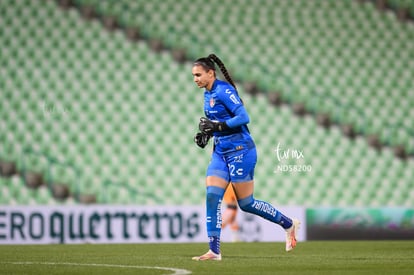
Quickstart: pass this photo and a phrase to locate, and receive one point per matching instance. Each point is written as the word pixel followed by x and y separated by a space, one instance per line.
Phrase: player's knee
pixel 246 204
pixel 214 194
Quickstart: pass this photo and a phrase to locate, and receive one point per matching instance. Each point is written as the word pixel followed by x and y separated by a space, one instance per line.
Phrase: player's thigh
pixel 241 170
pixel 216 181
pixel 241 166
pixel 243 189
pixel 217 172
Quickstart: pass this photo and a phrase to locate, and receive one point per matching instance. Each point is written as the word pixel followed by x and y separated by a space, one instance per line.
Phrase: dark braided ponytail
pixel 222 69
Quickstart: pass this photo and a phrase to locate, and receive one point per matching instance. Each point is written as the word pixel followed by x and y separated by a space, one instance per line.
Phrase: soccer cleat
pixel 209 256
pixel 291 234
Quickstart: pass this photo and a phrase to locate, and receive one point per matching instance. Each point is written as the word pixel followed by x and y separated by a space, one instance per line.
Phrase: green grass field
pixel 350 257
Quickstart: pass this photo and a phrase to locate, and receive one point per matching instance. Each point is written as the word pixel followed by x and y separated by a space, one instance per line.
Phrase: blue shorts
pixel 234 167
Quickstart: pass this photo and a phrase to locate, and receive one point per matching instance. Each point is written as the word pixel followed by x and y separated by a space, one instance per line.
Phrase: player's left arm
pixel 234 104
pixel 241 117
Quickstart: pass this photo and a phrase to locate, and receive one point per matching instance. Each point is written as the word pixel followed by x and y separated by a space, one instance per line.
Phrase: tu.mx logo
pixel 291 160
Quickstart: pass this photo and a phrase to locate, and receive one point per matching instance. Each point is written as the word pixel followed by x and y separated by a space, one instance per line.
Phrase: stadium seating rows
pixel 398 4
pixel 344 57
pixel 110 117
pixel 14 192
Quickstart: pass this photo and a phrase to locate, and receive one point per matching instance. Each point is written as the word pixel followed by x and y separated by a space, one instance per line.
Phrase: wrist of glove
pixel 201 139
pixel 209 127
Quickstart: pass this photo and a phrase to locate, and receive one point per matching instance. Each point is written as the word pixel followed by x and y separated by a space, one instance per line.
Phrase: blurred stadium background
pixel 99 106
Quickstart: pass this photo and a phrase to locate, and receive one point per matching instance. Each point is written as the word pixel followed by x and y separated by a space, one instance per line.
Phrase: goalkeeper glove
pixel 201 139
pixel 208 127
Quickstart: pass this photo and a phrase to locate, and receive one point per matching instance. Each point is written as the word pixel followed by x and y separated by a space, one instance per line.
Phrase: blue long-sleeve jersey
pixel 222 103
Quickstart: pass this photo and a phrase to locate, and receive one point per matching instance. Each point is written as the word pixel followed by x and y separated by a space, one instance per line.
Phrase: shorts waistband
pixel 248 144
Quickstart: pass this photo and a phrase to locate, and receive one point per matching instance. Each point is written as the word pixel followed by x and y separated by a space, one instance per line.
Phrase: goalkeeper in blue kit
pixel 234 155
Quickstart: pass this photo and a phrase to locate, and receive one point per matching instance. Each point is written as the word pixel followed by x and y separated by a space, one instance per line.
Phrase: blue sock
pixel 213 206
pixel 264 210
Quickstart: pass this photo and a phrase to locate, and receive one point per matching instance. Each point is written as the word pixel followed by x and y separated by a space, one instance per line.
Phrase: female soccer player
pixel 234 155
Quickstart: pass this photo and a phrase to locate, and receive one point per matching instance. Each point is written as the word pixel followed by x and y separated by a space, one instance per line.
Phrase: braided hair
pixel 222 69
pixel 208 64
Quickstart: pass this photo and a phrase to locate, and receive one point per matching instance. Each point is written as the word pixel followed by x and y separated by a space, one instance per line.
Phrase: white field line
pixel 176 271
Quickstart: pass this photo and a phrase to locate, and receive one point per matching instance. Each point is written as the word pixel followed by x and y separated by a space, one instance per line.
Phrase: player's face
pixel 203 78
